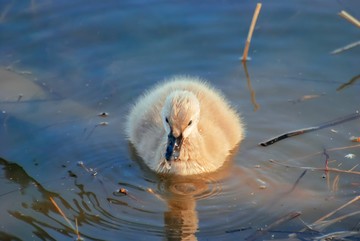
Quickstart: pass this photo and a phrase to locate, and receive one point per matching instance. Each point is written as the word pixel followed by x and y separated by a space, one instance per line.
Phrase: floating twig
pixel 320 226
pixel 62 214
pixel 156 195
pixel 287 135
pixel 343 148
pixel 354 21
pixel 305 97
pixel 338 235
pixel 91 171
pixel 321 152
pixel 346 47
pixel 352 81
pixel 67 220
pixel 251 30
pixel 310 129
pixel 77 230
pixel 125 192
pixel 315 168
pixel 354 167
pixel 335 185
pixel 338 209
pixel 330 214
pixel 349 18
pixel 262 232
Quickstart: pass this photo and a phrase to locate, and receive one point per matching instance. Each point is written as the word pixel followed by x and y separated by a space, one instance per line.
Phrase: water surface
pixel 63 63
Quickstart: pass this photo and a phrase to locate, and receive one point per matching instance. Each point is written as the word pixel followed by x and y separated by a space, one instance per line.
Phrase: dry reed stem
pixel 307 97
pixel 349 18
pixel 275 224
pixel 62 214
pixel 327 124
pixel 251 30
pixel 352 81
pixel 315 168
pixel 338 209
pixel 340 235
pixel 342 148
pixel 346 47
pixel 354 167
pixel 331 213
pixel 156 195
pixel 320 226
pixel 335 186
pixel 321 152
pixel 77 230
pixel 133 197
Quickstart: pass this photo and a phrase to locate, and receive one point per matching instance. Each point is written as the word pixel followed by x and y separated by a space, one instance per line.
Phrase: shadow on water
pixel 40 213
pixel 181 218
pixel 17 175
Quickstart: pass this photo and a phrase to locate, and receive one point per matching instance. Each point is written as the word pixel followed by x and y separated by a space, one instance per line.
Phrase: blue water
pixel 70 61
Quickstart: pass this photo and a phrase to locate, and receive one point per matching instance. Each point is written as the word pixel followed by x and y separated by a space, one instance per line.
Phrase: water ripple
pixel 199 189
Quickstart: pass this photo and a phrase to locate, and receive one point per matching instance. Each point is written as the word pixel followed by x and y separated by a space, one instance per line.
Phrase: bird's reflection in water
pixel 181 219
pixel 181 194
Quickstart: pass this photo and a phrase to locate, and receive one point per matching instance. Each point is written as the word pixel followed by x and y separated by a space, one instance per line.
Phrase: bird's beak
pixel 173 147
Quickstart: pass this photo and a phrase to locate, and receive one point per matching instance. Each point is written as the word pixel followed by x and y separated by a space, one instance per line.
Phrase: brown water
pixel 64 63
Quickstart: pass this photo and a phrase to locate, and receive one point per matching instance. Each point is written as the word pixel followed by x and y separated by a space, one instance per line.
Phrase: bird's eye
pixel 166 119
pixel 190 122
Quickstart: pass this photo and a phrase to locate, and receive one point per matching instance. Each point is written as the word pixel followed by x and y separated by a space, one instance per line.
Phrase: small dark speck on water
pixel 104 114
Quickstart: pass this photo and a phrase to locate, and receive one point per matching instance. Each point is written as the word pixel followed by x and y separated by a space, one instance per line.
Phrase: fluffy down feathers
pixel 205 128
